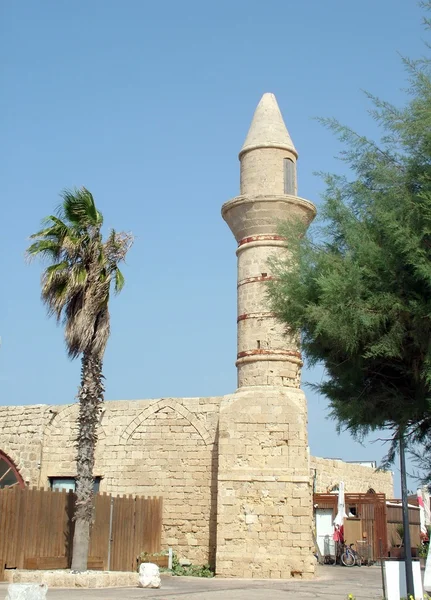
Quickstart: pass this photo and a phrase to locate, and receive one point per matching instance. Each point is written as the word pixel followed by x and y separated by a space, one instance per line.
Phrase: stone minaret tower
pixel 268 195
pixel 264 488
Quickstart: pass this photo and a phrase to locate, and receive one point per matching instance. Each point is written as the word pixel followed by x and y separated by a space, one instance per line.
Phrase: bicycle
pixel 350 557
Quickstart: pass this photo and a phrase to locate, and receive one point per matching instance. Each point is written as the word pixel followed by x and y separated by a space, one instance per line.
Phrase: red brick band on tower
pixel 258 315
pixel 263 352
pixel 256 279
pixel 261 238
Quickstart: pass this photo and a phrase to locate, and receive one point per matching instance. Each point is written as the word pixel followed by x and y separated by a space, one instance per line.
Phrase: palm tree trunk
pixel 90 399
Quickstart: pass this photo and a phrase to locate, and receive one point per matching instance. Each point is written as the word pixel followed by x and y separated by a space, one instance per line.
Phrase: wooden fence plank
pixel 12 534
pixel 21 503
pixel 123 558
pixel 2 527
pixel 8 523
pixel 36 508
pixel 99 534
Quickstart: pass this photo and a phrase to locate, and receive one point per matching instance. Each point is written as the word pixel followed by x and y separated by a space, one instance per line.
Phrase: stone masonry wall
pixel 264 486
pixel 169 447
pixel 165 447
pixel 21 438
pixel 357 478
pixel 161 447
pixel 262 171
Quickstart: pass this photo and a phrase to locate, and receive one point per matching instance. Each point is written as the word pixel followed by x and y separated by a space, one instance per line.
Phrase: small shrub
pixel 190 571
pixel 147 555
pixel 153 557
pixel 400 531
pixel 177 569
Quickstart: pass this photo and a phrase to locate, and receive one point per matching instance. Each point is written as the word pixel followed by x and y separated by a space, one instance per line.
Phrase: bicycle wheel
pixel 358 560
pixel 348 559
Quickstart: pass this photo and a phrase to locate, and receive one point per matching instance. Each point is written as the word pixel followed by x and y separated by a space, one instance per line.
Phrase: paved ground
pixel 331 583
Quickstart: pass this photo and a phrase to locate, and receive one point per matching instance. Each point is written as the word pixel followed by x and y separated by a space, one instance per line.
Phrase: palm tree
pixel 75 288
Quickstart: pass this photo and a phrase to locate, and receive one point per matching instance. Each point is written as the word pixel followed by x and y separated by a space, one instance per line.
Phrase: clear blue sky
pixel 147 105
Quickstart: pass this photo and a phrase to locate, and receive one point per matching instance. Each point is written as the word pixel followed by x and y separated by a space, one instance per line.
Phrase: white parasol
pixel 421 511
pixel 341 507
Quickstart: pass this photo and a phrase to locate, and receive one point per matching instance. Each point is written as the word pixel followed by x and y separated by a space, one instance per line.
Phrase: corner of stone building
pixel 264 500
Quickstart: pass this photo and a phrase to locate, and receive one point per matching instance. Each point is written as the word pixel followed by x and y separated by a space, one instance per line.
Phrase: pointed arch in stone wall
pixel 156 407
pixel 66 417
pixel 167 450
pixel 59 447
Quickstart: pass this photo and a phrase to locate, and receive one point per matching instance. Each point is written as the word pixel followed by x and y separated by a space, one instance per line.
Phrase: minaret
pixel 268 196
pixel 264 490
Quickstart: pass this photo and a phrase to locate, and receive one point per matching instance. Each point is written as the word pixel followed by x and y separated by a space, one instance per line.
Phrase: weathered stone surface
pixel 264 524
pixel 67 579
pixel 328 473
pixel 26 591
pixel 264 490
pixel 161 447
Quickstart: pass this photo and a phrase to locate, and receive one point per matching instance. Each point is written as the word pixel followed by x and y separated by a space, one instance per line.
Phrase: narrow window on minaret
pixel 289 176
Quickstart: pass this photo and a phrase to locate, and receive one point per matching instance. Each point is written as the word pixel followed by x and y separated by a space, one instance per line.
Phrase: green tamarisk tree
pixel 357 286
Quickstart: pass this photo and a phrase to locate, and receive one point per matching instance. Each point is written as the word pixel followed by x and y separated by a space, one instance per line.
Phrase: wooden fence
pixel 370 511
pixel 36 529
pixel 395 520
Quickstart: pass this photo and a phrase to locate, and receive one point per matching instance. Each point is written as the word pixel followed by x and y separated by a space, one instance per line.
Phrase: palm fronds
pixel 77 283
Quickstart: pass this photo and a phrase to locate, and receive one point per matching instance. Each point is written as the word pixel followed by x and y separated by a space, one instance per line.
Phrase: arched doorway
pixel 9 474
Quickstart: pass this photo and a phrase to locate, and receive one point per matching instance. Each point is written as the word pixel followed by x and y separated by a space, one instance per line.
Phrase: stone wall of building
pixel 328 473
pixel 163 447
pixel 21 438
pixel 249 448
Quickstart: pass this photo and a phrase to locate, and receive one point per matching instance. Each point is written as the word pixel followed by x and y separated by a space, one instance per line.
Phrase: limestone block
pixel 81 580
pixel 27 591
pixel 149 576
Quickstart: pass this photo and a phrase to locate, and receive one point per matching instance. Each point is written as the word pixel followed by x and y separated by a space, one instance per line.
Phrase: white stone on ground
pixel 26 591
pixel 149 575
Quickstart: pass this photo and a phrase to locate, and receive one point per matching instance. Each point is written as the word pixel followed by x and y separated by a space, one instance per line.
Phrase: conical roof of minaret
pixel 267 130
